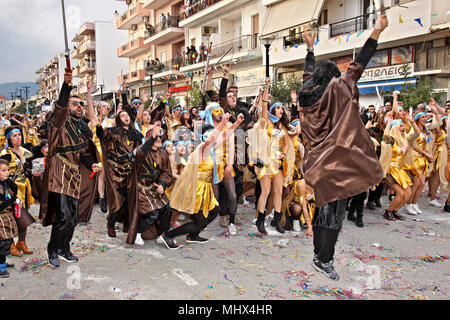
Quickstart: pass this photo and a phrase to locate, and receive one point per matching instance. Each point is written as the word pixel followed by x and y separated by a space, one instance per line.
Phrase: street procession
pixel 202 151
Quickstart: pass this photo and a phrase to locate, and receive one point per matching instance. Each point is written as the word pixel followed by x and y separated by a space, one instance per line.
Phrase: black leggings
pixel 194 228
pixel 227 197
pixel 376 195
pixel 357 203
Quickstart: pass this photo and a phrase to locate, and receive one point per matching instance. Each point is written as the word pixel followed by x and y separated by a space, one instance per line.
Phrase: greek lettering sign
pixel 251 77
pixel 386 73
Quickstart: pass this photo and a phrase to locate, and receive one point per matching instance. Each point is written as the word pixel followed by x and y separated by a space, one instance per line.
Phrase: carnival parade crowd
pixel 166 171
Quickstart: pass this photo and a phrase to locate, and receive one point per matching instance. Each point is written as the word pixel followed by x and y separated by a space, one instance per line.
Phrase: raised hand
pixel 68 76
pixel 310 38
pixel 382 22
pixel 144 96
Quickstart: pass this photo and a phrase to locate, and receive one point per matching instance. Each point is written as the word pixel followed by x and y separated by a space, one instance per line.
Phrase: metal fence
pixel 351 25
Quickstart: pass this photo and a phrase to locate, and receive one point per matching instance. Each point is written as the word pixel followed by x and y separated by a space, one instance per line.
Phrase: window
pixel 438 57
pixel 255 24
pixel 402 55
pixel 323 19
pixel 162 56
pixel 379 59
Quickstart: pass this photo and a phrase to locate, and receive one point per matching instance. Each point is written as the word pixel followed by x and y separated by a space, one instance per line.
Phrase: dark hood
pixel 313 88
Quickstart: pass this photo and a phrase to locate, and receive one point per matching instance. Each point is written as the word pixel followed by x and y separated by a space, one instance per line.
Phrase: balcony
pixel 166 67
pixel 154 4
pixel 86 28
pixel 88 67
pixel 135 76
pixel 88 46
pixel 355 24
pixel 132 16
pixel 197 15
pixel 244 46
pixel 133 48
pixel 75 54
pixel 164 32
pixel 76 72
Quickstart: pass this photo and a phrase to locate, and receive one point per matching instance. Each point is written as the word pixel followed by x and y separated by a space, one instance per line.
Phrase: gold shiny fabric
pixel 193 189
pixel 22 182
pixel 397 168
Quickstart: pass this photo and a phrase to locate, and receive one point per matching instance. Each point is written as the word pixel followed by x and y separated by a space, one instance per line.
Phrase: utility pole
pixel 26 95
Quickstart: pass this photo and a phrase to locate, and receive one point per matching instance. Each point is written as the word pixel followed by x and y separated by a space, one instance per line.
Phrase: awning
pixel 291 13
pixel 384 86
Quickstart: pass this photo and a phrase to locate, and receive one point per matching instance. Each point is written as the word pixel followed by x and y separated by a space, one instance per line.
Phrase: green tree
pixel 281 90
pixel 195 95
pixel 414 94
pixel 21 108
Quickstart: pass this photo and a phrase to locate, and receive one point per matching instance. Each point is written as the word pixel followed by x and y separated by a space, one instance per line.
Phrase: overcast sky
pixel 32 31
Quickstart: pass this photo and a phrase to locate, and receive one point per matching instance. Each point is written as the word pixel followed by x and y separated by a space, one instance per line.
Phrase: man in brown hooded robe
pixel 69 147
pixel 340 159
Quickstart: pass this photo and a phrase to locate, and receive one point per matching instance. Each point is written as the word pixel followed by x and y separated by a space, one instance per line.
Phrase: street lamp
pixel 101 91
pixel 267 41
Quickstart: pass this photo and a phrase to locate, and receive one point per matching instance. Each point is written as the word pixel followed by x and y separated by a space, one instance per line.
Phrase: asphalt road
pixel 383 260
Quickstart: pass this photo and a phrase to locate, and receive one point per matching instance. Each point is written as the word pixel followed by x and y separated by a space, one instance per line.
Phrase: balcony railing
pixel 169 65
pixel 132 16
pixel 164 25
pixel 132 48
pixel 243 43
pixel 198 6
pixel 350 25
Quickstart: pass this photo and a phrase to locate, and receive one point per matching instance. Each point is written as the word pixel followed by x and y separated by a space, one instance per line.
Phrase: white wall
pixel 108 65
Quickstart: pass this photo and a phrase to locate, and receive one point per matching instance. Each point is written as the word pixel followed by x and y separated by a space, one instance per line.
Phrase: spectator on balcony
pixel 169 20
pixel 202 52
pixel 177 61
pixel 150 29
pixel 193 55
pixel 186 56
pixel 163 21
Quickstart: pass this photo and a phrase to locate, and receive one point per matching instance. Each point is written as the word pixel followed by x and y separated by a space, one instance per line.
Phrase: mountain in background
pixel 6 88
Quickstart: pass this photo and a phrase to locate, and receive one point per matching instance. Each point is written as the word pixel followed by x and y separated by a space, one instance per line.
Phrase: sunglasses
pixel 76 103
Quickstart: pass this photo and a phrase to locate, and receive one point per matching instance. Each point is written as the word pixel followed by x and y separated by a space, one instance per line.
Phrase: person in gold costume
pixel 193 191
pixel 18 169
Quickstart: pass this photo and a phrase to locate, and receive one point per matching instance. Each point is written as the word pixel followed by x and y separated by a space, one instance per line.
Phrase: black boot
pixel 359 221
pixel 277 218
pixel 103 206
pixel 260 223
pixel 371 205
pixel 447 206
pixel 351 214
pixel 377 203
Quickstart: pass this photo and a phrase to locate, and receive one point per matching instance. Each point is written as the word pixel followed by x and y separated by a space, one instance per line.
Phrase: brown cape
pixel 88 188
pixel 165 177
pixel 340 158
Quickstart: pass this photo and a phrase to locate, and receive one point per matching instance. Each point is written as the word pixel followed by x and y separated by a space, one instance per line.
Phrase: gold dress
pixel 22 182
pixel 222 158
pixel 440 145
pixel 276 144
pixel 31 136
pixel 193 190
pixel 106 123
pixel 420 161
pixel 398 167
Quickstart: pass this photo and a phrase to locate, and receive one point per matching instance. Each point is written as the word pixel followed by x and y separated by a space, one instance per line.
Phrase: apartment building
pixel 51 76
pixel 233 27
pixel 166 36
pixel 133 50
pixel 417 36
pixel 96 59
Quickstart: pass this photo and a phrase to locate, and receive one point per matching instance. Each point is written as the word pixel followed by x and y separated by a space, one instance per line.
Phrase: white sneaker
pixel 232 229
pixel 139 241
pixel 436 203
pixel 416 207
pixel 269 216
pixel 296 226
pixel 159 240
pixel 410 209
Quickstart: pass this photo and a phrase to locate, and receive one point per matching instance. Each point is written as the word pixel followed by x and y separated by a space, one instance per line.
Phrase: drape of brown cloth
pixel 340 159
